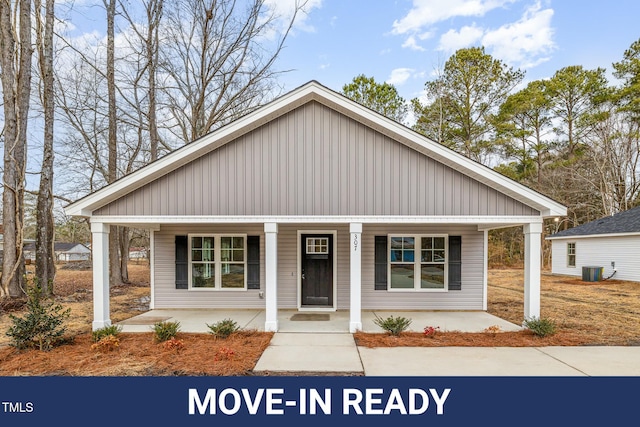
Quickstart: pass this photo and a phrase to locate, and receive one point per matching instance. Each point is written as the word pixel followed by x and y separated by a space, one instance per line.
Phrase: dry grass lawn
pixel 601 313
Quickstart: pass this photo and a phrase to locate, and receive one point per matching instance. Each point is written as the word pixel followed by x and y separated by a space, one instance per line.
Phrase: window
pixel 318 245
pixel 571 254
pixel 427 271
pixel 217 261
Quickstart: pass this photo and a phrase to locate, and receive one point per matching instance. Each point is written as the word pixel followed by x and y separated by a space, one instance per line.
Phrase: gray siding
pixel 469 298
pixel 165 293
pixel 315 161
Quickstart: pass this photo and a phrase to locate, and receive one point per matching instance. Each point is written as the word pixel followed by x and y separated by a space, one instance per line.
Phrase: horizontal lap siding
pixel 315 161
pixel 165 293
pixel 288 262
pixel 166 296
pixel 599 252
pixel 469 298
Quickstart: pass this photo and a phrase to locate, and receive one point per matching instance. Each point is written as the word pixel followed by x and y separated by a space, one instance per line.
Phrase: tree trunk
pixel 154 14
pixel 112 171
pixel 15 62
pixel 45 260
pixel 123 237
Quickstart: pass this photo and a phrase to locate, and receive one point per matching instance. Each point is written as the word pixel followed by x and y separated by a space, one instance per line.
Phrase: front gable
pixel 315 161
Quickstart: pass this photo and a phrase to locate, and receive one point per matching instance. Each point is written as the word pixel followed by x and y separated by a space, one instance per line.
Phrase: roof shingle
pixel 622 222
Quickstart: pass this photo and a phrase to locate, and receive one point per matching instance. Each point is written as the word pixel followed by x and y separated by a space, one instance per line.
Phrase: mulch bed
pixel 468 339
pixel 139 355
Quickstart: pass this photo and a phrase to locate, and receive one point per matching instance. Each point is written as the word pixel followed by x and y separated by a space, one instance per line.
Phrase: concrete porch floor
pixel 196 320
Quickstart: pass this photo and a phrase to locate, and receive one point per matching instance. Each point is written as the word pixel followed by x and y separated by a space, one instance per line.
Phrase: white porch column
pixel 532 235
pixel 355 305
pixel 271 276
pixel 100 254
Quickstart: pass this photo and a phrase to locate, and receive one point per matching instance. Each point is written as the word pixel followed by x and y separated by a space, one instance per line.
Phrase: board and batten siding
pixel 314 161
pixel 469 298
pixel 599 252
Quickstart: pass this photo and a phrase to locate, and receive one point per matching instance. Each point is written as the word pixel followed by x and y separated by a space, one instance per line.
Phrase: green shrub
pixel 223 328
pixel 42 327
pixel 540 326
pixel 112 330
pixel 165 330
pixel 393 325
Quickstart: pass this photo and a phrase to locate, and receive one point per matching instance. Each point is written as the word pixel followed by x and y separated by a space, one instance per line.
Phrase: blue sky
pixel 405 41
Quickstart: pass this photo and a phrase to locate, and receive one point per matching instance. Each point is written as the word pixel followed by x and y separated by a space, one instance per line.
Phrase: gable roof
pixel 313 91
pixel 621 223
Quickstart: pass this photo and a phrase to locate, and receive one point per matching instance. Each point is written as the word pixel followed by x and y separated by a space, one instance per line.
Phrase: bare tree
pixel 115 275
pixel 15 62
pixel 45 261
pixel 147 35
pixel 614 159
pixel 219 60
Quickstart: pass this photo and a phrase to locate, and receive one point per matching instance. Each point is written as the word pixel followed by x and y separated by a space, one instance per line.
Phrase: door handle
pixel 302 276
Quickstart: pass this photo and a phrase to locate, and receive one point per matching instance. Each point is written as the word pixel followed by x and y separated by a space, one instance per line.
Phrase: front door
pixel 317 270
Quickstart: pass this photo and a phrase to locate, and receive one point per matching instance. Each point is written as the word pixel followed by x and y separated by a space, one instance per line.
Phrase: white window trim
pixel 575 250
pixel 334 233
pixel 217 262
pixel 417 263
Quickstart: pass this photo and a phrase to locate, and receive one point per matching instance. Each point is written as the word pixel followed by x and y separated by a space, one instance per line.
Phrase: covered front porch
pixel 292 321
pixel 354 299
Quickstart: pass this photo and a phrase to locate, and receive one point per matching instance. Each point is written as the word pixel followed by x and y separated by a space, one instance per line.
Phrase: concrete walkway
pixel 304 353
pixel 325 347
pixel 337 354
pixel 501 361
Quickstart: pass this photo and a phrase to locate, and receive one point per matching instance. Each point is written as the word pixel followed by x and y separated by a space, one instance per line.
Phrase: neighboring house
pixel 68 252
pixel 138 253
pixel 316 203
pixel 612 242
pixel 64 252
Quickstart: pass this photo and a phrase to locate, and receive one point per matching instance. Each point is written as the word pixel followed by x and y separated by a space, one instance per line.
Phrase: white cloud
pixel 286 8
pixel 412 44
pixel 525 42
pixel 453 40
pixel 428 12
pixel 399 76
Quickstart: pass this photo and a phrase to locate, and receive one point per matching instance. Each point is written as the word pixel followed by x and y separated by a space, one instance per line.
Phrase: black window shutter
pixel 253 262
pixel 182 262
pixel 380 262
pixel 455 263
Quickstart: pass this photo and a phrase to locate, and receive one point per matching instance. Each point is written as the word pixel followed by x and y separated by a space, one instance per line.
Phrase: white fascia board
pixel 314 91
pixel 592 236
pixel 478 171
pixel 494 226
pixel 151 221
pixel 85 206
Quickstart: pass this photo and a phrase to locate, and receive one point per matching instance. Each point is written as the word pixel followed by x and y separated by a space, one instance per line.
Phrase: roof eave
pixel 314 91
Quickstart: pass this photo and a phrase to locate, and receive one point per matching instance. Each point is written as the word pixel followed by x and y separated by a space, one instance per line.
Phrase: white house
pixel 64 252
pixel 612 243
pixel 68 252
pixel 316 203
